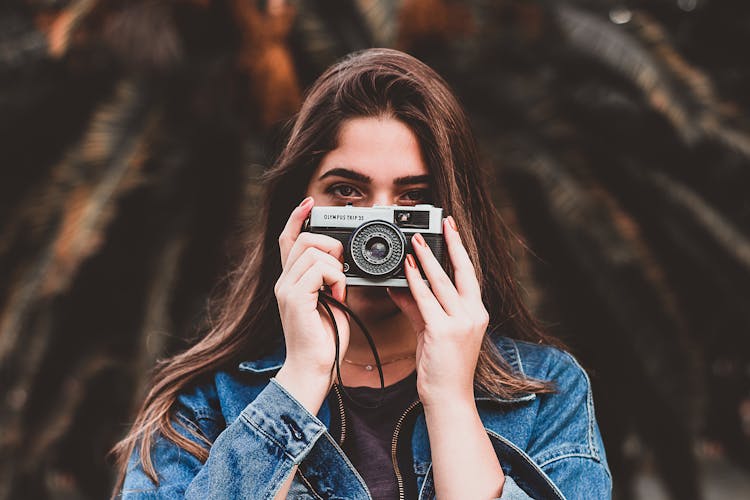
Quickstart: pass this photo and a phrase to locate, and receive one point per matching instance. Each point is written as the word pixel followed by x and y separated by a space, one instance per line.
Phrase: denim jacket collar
pixel 546 444
pixel 266 364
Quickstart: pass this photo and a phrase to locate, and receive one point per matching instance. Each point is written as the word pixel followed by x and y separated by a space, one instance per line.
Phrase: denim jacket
pixel 548 445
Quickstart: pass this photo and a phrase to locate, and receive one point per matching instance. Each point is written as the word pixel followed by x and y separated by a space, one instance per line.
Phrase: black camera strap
pixel 324 299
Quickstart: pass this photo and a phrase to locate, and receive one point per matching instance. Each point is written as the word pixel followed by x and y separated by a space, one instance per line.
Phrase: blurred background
pixel 616 135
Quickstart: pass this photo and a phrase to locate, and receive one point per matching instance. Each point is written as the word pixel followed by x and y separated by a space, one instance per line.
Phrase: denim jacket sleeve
pixel 250 458
pixel 565 442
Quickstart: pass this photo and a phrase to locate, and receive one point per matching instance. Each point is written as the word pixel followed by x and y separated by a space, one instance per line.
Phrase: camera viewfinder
pixel 416 219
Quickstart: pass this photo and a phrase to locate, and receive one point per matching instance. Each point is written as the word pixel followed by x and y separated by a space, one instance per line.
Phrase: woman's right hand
pixel 309 261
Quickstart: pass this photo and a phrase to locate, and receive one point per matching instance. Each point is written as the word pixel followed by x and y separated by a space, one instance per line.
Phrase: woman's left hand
pixel 450 320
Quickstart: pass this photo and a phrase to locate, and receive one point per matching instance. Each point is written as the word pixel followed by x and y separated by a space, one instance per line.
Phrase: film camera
pixel 377 239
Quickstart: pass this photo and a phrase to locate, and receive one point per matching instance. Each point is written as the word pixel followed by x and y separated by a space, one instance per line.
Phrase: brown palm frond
pixel 673 87
pixel 266 60
pixel 380 17
pixel 21 43
pixel 57 424
pixel 61 27
pixel 327 30
pixel 76 207
pixel 609 249
pixel 685 210
pixel 433 21
pixel 80 201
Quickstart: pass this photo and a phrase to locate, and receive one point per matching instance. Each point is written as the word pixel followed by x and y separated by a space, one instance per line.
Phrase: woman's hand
pixel 450 320
pixel 309 261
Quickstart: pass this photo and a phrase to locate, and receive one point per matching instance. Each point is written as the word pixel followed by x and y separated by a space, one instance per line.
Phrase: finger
pixel 309 257
pixel 312 255
pixel 441 284
pixel 293 227
pixel 322 242
pixel 320 274
pixel 464 274
pixel 405 302
pixel 428 305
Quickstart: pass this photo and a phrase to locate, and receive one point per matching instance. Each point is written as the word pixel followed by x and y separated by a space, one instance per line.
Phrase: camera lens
pixel 377 248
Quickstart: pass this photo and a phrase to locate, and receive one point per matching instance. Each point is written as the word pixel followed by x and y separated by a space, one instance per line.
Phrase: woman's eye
pixel 417 196
pixel 343 190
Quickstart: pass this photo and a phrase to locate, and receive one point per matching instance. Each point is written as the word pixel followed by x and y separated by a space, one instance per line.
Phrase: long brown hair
pixel 245 317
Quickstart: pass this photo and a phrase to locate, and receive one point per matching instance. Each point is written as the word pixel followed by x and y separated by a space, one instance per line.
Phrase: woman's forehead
pixel 380 148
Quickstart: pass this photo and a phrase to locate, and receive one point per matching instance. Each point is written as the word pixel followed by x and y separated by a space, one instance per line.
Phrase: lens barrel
pixel 377 248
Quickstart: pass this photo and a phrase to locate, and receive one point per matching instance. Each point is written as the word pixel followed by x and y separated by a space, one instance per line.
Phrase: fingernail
pixel 418 238
pixel 306 202
pixel 452 222
pixel 410 261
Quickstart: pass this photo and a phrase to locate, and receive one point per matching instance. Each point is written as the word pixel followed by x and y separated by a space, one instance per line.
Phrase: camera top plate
pixel 421 218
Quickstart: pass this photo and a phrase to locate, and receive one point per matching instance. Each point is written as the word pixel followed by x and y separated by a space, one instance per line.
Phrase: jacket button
pixel 293 427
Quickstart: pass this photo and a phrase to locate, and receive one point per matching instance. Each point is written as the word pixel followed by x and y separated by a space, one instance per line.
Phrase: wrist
pixel 309 390
pixel 442 399
pixel 465 464
pixel 449 407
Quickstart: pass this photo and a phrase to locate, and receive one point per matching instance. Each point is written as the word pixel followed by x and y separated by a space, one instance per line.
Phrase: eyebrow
pixel 366 179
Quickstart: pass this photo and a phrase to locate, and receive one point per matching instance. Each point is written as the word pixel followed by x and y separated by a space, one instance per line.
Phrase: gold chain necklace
pixel 370 367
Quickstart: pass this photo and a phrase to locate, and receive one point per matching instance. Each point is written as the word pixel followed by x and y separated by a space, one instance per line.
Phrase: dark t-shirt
pixel 370 433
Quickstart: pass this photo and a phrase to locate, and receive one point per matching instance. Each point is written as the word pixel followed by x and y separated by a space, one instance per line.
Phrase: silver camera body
pixel 377 239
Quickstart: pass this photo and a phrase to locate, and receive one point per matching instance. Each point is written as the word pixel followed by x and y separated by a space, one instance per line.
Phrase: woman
pixel 478 403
